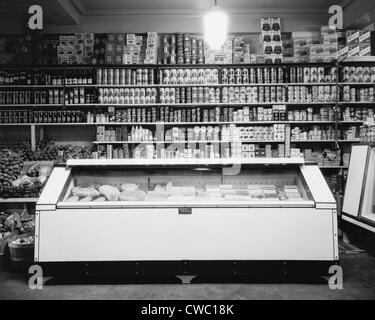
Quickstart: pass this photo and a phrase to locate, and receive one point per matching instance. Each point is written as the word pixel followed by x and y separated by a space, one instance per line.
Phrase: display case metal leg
pixel 186 279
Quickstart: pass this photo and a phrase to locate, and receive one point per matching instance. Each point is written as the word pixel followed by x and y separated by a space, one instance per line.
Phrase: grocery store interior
pixel 159 149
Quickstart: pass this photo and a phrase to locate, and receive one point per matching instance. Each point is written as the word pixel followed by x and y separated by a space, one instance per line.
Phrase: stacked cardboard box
pixel 329 38
pixel 302 41
pixel 223 55
pixel 151 56
pixel 270 39
pixel 49 49
pixel 75 49
pixel 88 52
pixel 241 51
pixel 65 49
pixel 99 49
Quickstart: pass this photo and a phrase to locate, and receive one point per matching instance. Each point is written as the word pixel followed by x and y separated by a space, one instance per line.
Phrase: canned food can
pixel 116 77
pixel 110 76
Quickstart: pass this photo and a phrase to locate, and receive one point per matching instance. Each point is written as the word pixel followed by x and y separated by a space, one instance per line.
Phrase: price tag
pixel 184 210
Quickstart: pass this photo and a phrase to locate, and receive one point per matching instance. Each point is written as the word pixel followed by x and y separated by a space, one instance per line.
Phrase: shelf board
pixel 47 124
pixel 31 86
pixel 324 141
pixel 229 104
pixel 176 85
pixel 313 141
pixel 181 142
pixel 32 105
pixel 333 167
pixel 237 104
pixel 19 200
pixel 356 83
pixel 260 123
pixel 164 162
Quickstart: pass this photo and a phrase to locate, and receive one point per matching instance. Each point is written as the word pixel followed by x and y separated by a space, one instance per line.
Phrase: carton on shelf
pixel 353 50
pixel 316 50
pixel 111 38
pixel 364 49
pixel 364 37
pixel 130 39
pixel 329 49
pixel 120 39
pixel 352 36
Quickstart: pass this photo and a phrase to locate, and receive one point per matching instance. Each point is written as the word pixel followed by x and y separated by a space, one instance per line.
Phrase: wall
pixel 238 22
pixel 184 23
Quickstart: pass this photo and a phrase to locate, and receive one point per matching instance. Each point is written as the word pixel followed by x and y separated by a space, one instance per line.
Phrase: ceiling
pixel 73 12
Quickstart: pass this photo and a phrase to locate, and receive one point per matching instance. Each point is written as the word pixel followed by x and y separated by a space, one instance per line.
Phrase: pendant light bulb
pixel 215 27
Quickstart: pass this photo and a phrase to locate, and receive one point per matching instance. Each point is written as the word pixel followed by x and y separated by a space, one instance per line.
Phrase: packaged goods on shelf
pixel 99 49
pixel 356 114
pixel 78 77
pixel 182 48
pixel 121 76
pixel 357 74
pixel 270 40
pixel 79 95
pixel 42 116
pixel 355 94
pixel 127 95
pixel 367 133
pixel 37 96
pixel 189 76
pixel 314 133
pixel 75 49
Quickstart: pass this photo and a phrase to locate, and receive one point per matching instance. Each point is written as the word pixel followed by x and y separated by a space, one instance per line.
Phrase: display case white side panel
pixel 205 234
pixel 53 188
pixel 318 187
pixel 354 182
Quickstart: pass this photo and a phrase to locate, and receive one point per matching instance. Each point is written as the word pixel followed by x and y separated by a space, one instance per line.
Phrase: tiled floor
pixel 359 283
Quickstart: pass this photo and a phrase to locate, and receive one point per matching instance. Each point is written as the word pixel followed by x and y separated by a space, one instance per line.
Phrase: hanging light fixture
pixel 215 27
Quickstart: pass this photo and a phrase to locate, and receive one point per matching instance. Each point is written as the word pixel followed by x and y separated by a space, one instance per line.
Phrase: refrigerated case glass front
pixel 368 202
pixel 104 186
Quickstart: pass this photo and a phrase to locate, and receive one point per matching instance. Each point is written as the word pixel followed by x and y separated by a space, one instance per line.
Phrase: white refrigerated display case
pixel 255 210
pixel 359 199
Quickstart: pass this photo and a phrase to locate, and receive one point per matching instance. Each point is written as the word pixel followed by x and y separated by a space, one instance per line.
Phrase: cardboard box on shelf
pixel 111 38
pixel 330 57
pixel 364 37
pixel 130 39
pixel 317 59
pixel 342 52
pixel 316 50
pixel 302 52
pixel 353 50
pixel 364 49
pixel 138 40
pixel 330 40
pixel 109 59
pixel 329 49
pixel 120 39
pixel 326 31
pixel 110 48
pixel 118 59
pixel 352 36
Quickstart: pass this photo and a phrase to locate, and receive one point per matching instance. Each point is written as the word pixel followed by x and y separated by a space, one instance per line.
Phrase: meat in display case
pixel 144 210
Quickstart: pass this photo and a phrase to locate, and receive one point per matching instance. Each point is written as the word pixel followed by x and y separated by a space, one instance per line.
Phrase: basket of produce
pixel 4 239
pixel 21 248
pixel 12 224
